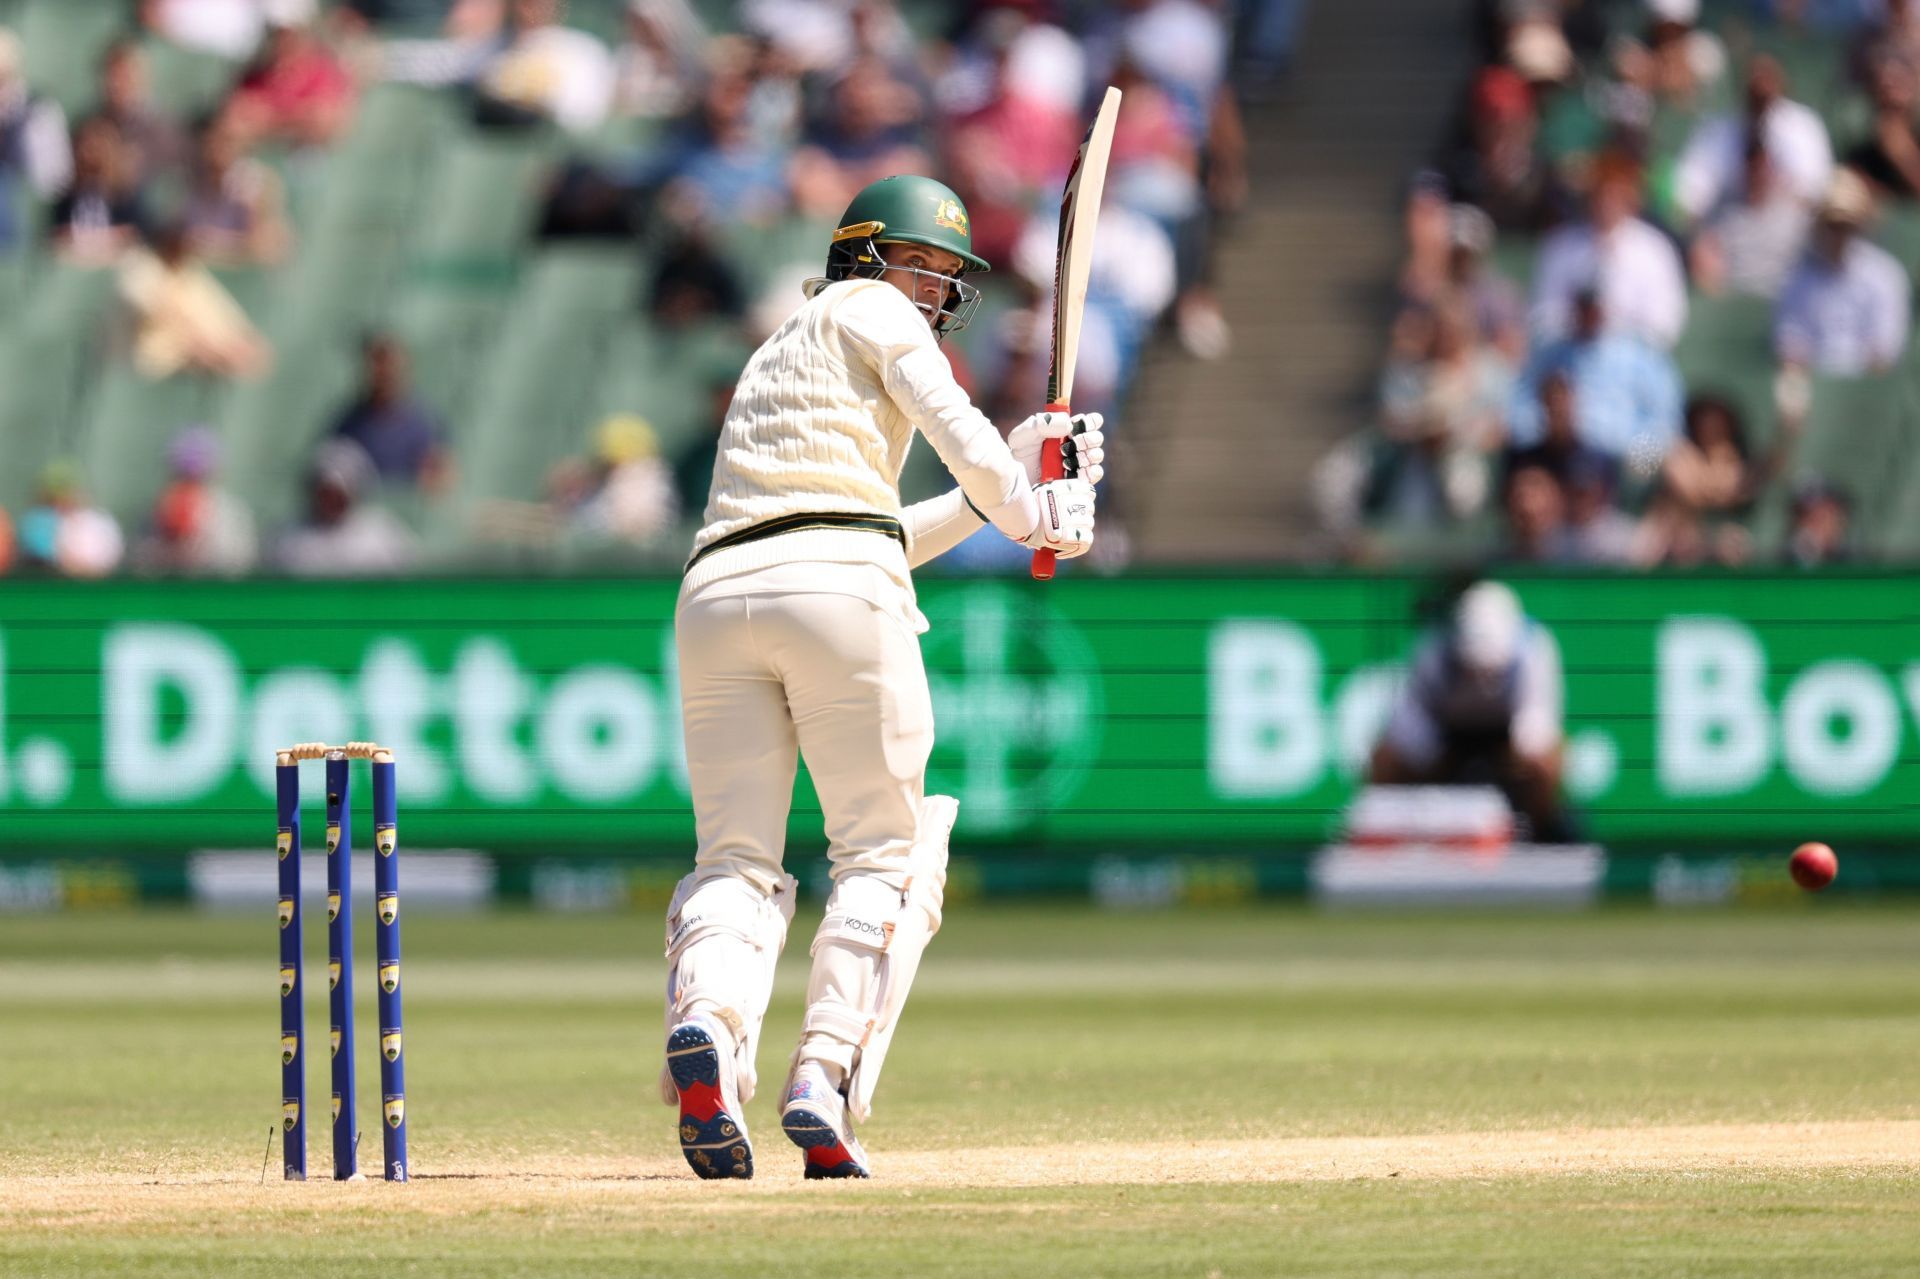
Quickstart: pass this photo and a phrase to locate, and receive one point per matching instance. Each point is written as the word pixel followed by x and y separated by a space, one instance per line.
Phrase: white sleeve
pixel 1667 289
pixel 1698 176
pixel 884 330
pixel 1411 730
pixel 1536 727
pixel 937 525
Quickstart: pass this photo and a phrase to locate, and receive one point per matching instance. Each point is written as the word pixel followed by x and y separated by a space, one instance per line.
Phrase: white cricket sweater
pixel 821 422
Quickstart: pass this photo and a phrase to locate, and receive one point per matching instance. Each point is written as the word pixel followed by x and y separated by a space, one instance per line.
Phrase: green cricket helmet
pixel 912 210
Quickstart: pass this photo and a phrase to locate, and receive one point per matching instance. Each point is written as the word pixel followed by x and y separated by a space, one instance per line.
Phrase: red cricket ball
pixel 1813 866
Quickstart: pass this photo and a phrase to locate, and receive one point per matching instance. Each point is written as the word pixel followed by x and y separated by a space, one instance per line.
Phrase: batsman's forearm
pixel 923 387
pixel 937 525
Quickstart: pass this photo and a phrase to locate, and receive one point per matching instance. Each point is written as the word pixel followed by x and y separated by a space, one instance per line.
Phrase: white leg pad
pixel 724 937
pixel 878 924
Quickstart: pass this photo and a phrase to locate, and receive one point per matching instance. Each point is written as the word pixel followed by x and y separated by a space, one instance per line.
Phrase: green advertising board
pixel 1169 712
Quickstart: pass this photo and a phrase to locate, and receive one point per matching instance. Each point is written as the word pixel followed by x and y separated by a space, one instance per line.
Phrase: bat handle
pixel 1053 466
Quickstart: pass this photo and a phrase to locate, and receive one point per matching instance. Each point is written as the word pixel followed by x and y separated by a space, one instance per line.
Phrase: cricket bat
pixel 1079 215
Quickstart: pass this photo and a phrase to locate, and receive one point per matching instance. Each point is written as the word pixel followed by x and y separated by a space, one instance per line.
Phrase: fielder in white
pixel 798 635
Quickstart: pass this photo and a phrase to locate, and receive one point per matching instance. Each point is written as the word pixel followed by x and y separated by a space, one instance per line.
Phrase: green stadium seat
pixel 483 200
pixel 672 379
pixel 130 422
pixel 270 425
pixel 63 41
pixel 1727 350
pixel 537 394
pixel 46 365
pixel 187 83
pixel 1853 438
pixel 449 330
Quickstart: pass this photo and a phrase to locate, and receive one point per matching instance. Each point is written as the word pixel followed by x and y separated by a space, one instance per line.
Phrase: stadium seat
pixel 1852 439
pixel 672 379
pixel 270 425
pixel 63 40
pixel 46 364
pixel 187 83
pixel 482 202
pixel 537 391
pixel 130 421
pixel 1727 350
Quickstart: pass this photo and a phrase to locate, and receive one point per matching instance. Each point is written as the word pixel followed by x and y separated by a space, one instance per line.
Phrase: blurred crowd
pixel 1617 180
pixel 691 143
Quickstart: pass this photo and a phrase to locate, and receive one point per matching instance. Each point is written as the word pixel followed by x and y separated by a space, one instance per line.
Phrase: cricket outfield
pixel 1232 1092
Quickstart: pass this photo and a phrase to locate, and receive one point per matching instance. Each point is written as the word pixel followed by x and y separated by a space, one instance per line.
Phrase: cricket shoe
pixel 815 1118
pixel 713 1125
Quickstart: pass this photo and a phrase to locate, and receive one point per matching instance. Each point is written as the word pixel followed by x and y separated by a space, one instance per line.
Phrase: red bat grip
pixel 1053 466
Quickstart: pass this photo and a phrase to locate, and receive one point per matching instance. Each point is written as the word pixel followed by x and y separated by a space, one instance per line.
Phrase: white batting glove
pixel 1066 518
pixel 1084 444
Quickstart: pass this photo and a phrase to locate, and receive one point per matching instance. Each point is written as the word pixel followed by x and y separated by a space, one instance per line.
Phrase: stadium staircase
pixel 1220 465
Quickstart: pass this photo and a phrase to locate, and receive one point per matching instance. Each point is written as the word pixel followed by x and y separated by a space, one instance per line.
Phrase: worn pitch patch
pixel 170 1193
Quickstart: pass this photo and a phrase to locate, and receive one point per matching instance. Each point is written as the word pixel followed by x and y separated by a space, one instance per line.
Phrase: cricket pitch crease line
pixel 1869 1145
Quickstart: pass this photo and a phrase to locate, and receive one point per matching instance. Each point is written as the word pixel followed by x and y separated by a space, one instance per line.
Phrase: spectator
pixel 1597 532
pixel 1710 468
pixel 624 492
pixel 229 29
pixel 1709 477
pixel 341 536
pixel 34 151
pixel 236 208
pixel 1626 393
pixel 547 71
pixel 399 435
pixel 1749 245
pixel 1495 163
pixel 9 546
pixel 1441 401
pixel 297 92
pixel 63 534
pixel 1821 531
pixel 1132 283
pixel 1449 260
pixel 1482 705
pixel 1007 155
pixel 155 143
pixel 1896 35
pixel 1890 156
pixel 184 321
pixel 101 215
pixel 197 527
pixel 1635 267
pixel 694 283
pixel 1536 515
pixel 1709 168
pixel 1181 45
pixel 658 64
pixel 719 170
pixel 1679 65
pixel 1845 307
pixel 1559 449
pixel 871 131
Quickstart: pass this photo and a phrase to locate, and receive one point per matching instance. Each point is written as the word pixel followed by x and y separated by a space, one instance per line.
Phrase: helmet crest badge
pixel 949 214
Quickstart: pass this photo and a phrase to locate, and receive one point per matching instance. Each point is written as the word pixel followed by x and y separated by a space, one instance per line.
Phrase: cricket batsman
pixel 798 635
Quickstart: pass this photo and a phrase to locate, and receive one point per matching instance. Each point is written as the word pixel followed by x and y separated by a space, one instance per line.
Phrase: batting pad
pixel 867 951
pixel 724 937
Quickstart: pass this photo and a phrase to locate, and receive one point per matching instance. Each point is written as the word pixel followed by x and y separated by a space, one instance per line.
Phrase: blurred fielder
pixel 798 635
pixel 1482 706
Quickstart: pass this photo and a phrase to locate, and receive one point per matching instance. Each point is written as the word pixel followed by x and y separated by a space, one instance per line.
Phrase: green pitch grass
pixel 1236 1092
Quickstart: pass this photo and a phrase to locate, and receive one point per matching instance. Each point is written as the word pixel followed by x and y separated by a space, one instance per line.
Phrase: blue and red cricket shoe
pixel 814 1116
pixel 713 1124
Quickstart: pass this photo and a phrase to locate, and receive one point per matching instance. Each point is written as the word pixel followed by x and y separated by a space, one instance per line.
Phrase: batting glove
pixel 1066 518
pixel 1082 442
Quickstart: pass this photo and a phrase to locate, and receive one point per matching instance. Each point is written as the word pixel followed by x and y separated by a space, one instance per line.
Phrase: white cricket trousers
pixel 820 660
